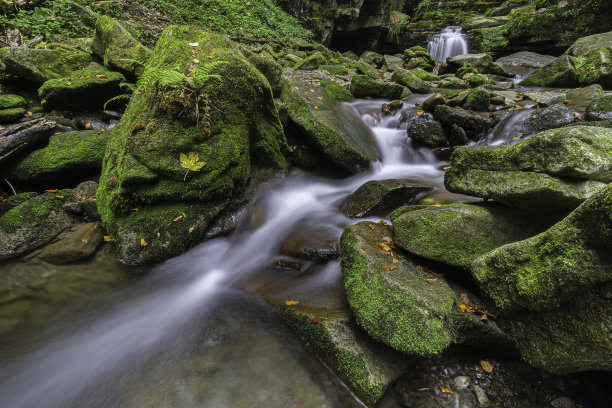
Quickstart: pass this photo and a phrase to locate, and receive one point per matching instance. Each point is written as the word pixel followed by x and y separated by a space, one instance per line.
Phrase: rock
pixel 552 290
pixel 457 136
pixel 11 115
pixel 456 234
pixel 73 244
pixel 474 123
pixel 547 98
pixel 363 87
pixel 364 365
pixel 482 62
pixel 555 169
pixel 396 305
pixel 13 201
pixel 424 75
pixel 68 155
pixel 335 69
pixel 318 244
pixel 538 120
pixel 312 62
pixel 119 50
pixel 9 101
pixel 392 63
pixel 410 80
pixel 345 142
pixel 34 223
pixel 454 83
pixel 590 43
pixel 600 109
pixel 25 135
pixel 430 103
pixel 562 402
pixel 97 120
pixel 477 80
pixel 81 90
pixel 583 96
pixel 523 62
pixel 137 173
pixel 266 64
pixel 374 58
pixel 429 134
pixel 418 57
pixel 43 64
pixel 477 99
pixel 481 396
pixel 478 22
pixel 558 73
pixel 380 197
pixel 461 381
pixel 456 99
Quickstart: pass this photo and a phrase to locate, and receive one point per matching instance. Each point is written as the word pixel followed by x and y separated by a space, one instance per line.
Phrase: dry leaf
pixel 423 268
pixel 108 238
pixel 101 76
pixel 432 281
pixel 486 366
pixel 384 248
pixel 317 319
pixel 371 226
pixel 464 308
pixel 446 390
pixel 59 196
pixel 316 107
pixel 87 125
pixel 383 222
pixel 395 261
pixel 389 268
pixel 51 191
pixel 143 242
pixel 177 219
pixel 291 302
pixel 419 113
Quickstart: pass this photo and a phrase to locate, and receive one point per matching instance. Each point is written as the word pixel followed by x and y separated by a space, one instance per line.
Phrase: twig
pixel 10 185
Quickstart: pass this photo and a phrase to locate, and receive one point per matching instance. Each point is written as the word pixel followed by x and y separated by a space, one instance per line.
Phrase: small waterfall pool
pixel 447 43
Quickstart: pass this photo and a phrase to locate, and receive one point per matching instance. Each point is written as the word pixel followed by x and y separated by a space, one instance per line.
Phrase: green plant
pixel 397 21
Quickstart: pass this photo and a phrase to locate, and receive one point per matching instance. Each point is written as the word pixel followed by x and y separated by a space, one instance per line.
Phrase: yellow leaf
pixel 389 268
pixel 431 281
pixel 419 113
pixel 395 261
pixel 464 308
pixel 143 242
pixel 59 196
pixel 446 390
pixel 51 191
pixel 316 107
pixel 291 302
pixel 87 125
pixel 371 226
pixel 320 98
pixel 134 209
pixel 486 366
pixel 101 76
pixel 108 238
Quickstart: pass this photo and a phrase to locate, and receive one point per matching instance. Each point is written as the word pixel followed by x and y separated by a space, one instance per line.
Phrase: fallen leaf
pixel 196 61
pixel 134 209
pixel 291 302
pixel 312 90
pixel 320 98
pixel 419 113
pixel 59 196
pixel 464 308
pixel 431 281
pixel 389 268
pixel 371 226
pixel 317 319
pixel 87 125
pixel 446 390
pixel 384 248
pixel 101 76
pixel 177 219
pixel 395 261
pixel 316 107
pixel 143 242
pixel 190 230
pixel 309 98
pixel 51 191
pixel 383 222
pixel 486 366
pixel 68 83
pixel 423 268
pixel 108 238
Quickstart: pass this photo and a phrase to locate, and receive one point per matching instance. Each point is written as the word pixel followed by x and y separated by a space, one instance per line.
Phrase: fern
pixel 117 98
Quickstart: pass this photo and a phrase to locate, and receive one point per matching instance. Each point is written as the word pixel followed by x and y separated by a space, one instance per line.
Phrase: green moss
pixel 466 69
pixel 478 99
pixel 335 92
pixel 493 39
pixel 476 80
pixel 9 101
pixel 363 69
pixel 11 115
pixel 335 69
pixel 425 76
pixel 363 86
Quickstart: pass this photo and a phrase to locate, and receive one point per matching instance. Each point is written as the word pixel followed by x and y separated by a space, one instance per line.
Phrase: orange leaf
pixel 423 268
pixel 395 261
pixel 464 298
pixel 389 268
pixel 51 191
pixel 317 319
pixel 291 302
pixel 143 242
pixel 464 308
pixel 486 366
pixel 108 238
pixel 446 390
pixel 432 281
pixel 383 222
pixel 59 196
pixel 371 226
pixel 419 113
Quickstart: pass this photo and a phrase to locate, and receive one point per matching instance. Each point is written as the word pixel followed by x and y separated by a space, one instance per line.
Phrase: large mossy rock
pixel 367 367
pixel 482 62
pixel 599 109
pixel 41 65
pixel 410 80
pixel 403 306
pixel 81 91
pixel 233 125
pixel 456 234
pixel 554 170
pixel 313 110
pixel 552 291
pixel 118 48
pixel 68 155
pixel 523 62
pixel 365 87
pixel 589 43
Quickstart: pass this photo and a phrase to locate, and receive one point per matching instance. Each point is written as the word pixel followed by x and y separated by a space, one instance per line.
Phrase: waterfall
pixel 447 43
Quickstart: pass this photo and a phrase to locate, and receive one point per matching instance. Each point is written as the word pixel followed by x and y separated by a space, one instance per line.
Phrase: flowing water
pixel 188 334
pixel 447 43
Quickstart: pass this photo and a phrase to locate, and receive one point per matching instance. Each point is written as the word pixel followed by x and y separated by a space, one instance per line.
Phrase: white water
pixel 83 363
pixel 447 43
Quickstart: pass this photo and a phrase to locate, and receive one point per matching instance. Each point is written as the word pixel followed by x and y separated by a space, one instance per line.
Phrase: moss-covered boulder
pixel 367 367
pixel 481 62
pixel 81 90
pixel 553 290
pixel 314 112
pixel 266 64
pixel 589 43
pixel 545 98
pixel 418 57
pixel 429 134
pixel 476 80
pixel 474 123
pixel 312 61
pixel 456 234
pixel 9 101
pixel 118 48
pixel 478 99
pixel 599 109
pixel 227 123
pixel 41 65
pixel 410 80
pixel 365 87
pixel 555 169
pixel 68 155
pixel 408 308
pixel 11 115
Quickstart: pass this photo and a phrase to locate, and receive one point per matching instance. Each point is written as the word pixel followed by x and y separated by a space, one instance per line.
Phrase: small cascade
pixel 448 43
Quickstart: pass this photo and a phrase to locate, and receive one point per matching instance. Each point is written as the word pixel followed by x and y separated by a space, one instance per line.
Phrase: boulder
pixel 183 154
pixel 10 101
pixel 474 123
pixel 311 62
pixel 266 64
pixel 430 103
pixel 589 43
pixel 119 50
pixel 600 109
pixel 429 134
pixel 554 170
pixel 477 99
pixel 392 62
pixel 545 98
pixel 456 234
pixel 477 80
pixel 583 96
pixel 81 90
pixel 402 305
pixel 523 62
pixel 552 290
pixel 75 243
pixel 68 155
pixel 12 115
pixel 42 64
pixel 380 197
pixel 314 111
pixel 418 57
pixel 479 22
pixel 482 62
pixel 313 243
pixel 538 120
pixel 410 80
pixel 364 87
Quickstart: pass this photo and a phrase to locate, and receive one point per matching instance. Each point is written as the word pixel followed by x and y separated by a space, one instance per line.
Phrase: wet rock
pixel 600 109
pixel 523 62
pixel 429 134
pixel 477 99
pixel 455 98
pixel 119 50
pixel 335 69
pixel 312 109
pixel 457 136
pixel 81 90
pixel 589 43
pixel 288 264
pixel 379 197
pixel 97 120
pixel 22 136
pixel 410 80
pixel 68 154
pixel 15 200
pixel 392 62
pixel 418 57
pixel 314 244
pixel 583 96
pixel 475 124
pixel 430 103
pixel 552 290
pixel 41 65
pixel 408 308
pixel 547 98
pixel 9 101
pixel 562 402
pixel 364 87
pixel 538 120
pixel 461 381
pixel 75 243
pixel 11 115
pixel 456 234
pixel 482 62
pixel 554 170
pixel 481 396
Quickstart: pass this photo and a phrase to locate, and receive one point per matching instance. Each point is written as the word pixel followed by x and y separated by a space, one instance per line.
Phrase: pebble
pixel 461 381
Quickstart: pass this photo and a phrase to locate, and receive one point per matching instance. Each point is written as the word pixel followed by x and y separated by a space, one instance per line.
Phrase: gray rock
pixel 474 123
pixel 313 244
pixel 587 44
pixel 429 134
pixel 600 109
pixel 430 103
pixel 547 98
pixel 363 87
pixel 392 62
pixel 461 381
pixel 482 62
pixel 584 95
pixel 410 80
pixel 538 120
pixel 562 402
pixel 524 62
pixel 75 243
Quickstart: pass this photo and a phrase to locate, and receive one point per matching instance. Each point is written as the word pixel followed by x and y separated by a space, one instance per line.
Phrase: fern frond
pixel 128 86
pixel 171 78
pixel 133 61
pixel 206 69
pixel 116 98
